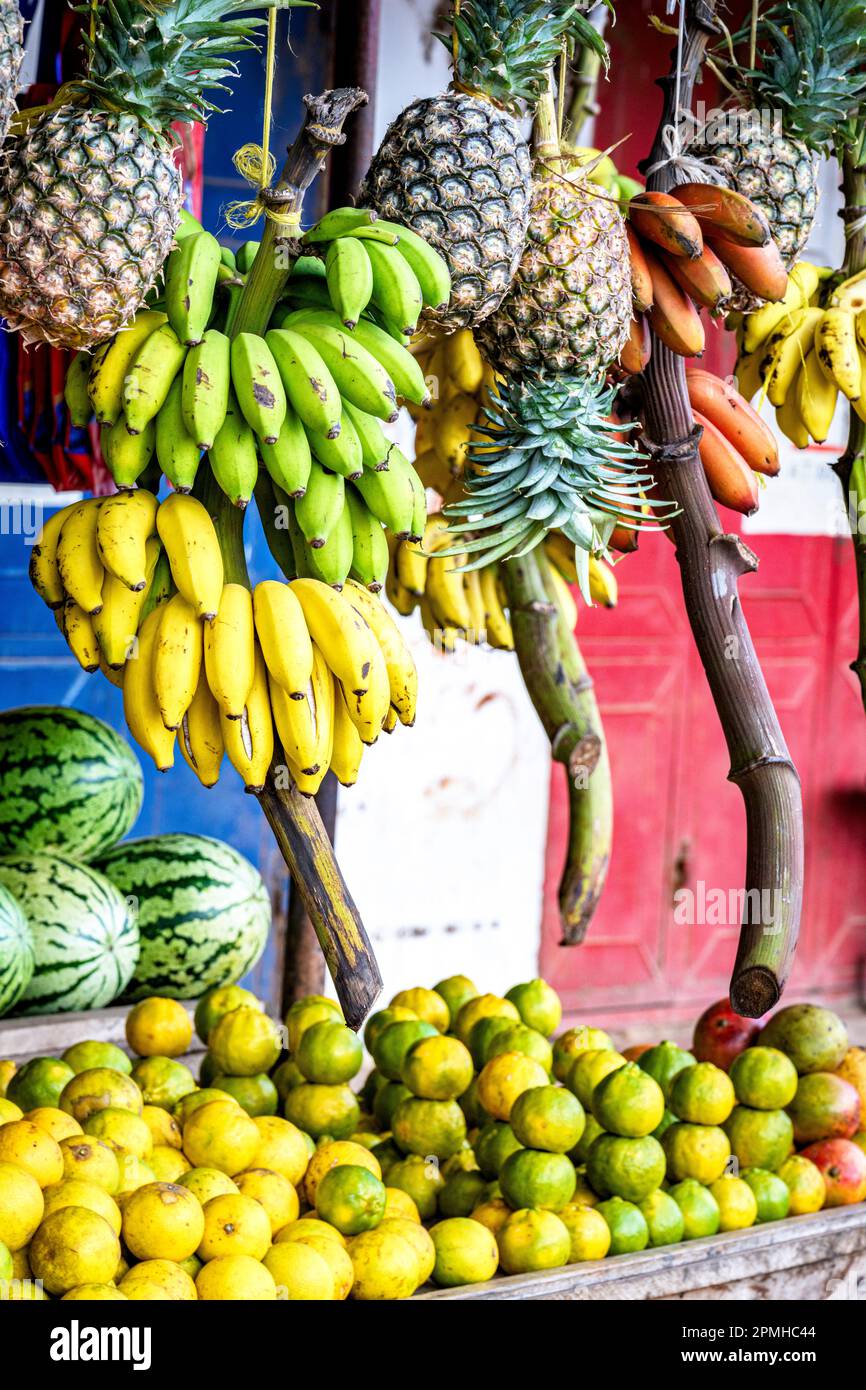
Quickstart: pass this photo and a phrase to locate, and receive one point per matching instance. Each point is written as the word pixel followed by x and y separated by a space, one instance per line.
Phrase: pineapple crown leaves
pixel 504 47
pixel 812 66
pixel 549 458
pixel 157 58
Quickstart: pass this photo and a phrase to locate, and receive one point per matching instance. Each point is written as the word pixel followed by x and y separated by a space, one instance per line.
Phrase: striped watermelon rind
pixel 17 958
pixel 69 784
pixel 85 938
pixel 204 912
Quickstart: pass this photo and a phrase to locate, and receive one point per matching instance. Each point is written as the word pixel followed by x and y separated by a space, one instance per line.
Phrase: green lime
pixel 39 1082
pixel 428 1127
pixel 329 1053
pixel 548 1118
pixel 573 1042
pixel 532 1240
pixel 664 1062
pixel 702 1094
pixel 378 1022
pixel 163 1081
pixel 421 1179
pixel 701 1215
pixel 323 1110
pixel 588 1069
pixel 351 1198
pixel 466 1253
pixel 437 1068
pixel 629 1168
pixel 462 1193
pixel 519 1038
pixel 539 1006
pixel 759 1138
pixel 628 1102
pixel 764 1078
pixel 285 1076
pixel 394 1042
pixel 457 990
pixel 494 1144
pixel 256 1094
pixel 771 1194
pixel 700 1152
pixel 663 1218
pixel 530 1178
pixel 218 1001
pixel 627 1225
pixel 483 1033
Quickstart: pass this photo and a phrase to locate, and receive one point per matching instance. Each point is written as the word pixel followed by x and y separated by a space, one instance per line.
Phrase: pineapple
pixel 812 75
pixel 11 53
pixel 90 193
pixel 456 167
pixel 569 307
pixel 548 457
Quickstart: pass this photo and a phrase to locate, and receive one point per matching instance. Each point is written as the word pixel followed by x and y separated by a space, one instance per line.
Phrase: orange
pixel 457 990
pixel 572 1043
pixel 539 1006
pixel 664 1062
pixel 482 1006
pixel 395 1040
pixel 663 1218
pixel 332 1155
pixel 466 1253
pixel 530 1178
pixel 805 1183
pixel 221 1135
pixel 589 1068
pixel 315 1008
pixel 162 1080
pixel 239 1279
pixel 21 1206
pixel 219 1000
pixel 55 1122
pixel 255 1094
pixel 588 1231
pixel 701 1214
pixel 76 1192
pixel 422 1180
pixel 83 1056
pixel 351 1198
pixel 518 1038
pixel 437 1068
pixel 700 1152
pixel 378 1022
pixel 321 1111
pixel 329 1053
pixel 97 1089
pixel 533 1240
pixel 162 1221
pixel 39 1082
pixel 429 1127
pixel 738 1208
pixel 234 1225
pixel 244 1042
pixel 159 1027
pixel 427 1004
pixel 494 1143
pixel 28 1146
pixel 92 1159
pixel 629 1168
pixel 506 1077
pixel 763 1078
pixel 702 1095
pixel 771 1193
pixel 74 1246
pixel 282 1147
pixel 759 1138
pixel 549 1118
pixel 274 1192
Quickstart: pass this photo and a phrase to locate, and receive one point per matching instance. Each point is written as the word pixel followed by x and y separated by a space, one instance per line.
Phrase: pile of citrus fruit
pixel 481 1140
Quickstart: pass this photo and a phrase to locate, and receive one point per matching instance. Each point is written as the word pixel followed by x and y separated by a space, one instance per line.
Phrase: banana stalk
pixel 850 467
pixel 711 564
pixel 561 690
pixel 295 819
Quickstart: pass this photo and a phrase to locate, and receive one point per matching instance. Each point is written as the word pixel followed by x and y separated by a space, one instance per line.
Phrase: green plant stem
pixel 561 690
pixel 294 819
pixel 850 467
pixel 585 73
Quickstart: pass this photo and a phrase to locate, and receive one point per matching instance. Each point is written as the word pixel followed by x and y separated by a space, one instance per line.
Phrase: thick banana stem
pixel 710 566
pixel 585 72
pixel 850 468
pixel 295 819
pixel 561 690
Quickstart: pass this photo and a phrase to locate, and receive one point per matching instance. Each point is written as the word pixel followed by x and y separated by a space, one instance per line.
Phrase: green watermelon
pixel 85 937
pixel 68 782
pixel 16 952
pixel 203 912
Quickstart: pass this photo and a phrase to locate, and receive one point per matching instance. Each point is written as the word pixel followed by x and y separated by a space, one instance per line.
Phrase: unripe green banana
pixel 390 494
pixel 375 444
pixel 398 363
pixel 430 268
pixel 370 554
pixel 148 382
pixel 288 460
pixel 233 456
pixel 126 454
pixel 245 256
pixel 258 387
pixel 309 384
pixel 337 223
pixel 190 282
pixel 319 510
pixel 75 392
pixel 331 562
pixel 396 290
pixel 178 453
pixel 359 377
pixel 111 364
pixel 350 278
pixel 341 455
pixel 206 383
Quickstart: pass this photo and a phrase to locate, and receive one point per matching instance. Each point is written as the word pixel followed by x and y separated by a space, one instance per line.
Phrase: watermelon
pixel 16 952
pixel 203 912
pixel 85 937
pixel 68 782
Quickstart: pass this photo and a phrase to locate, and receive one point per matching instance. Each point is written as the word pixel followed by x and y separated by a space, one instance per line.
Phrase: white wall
pixel 442 841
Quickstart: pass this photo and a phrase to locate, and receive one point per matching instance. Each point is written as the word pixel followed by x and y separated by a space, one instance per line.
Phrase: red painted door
pixel 677 820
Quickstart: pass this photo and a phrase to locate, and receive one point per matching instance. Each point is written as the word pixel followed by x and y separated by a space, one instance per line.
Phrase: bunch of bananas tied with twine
pixel 307 399
pixel 138 590
pixel 456 603
pixel 804 351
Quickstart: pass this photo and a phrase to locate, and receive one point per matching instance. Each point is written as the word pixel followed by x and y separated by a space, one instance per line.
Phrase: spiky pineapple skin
pixel 11 54
pixel 457 170
pixel 569 307
pixel 773 169
pixel 89 205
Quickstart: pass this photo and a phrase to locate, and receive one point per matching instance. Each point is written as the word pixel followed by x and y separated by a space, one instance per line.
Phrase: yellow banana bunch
pixel 802 352
pixel 458 380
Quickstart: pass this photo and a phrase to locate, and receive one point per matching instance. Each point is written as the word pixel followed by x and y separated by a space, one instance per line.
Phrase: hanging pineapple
pixel 90 192
pixel 456 167
pixel 11 54
pixel 570 303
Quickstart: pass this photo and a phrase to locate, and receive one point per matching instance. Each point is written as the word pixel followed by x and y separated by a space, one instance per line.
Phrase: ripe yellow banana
pixel 81 570
pixel 788 418
pixel 283 636
pixel 399 597
pixel 44 571
pixel 124 524
pixel 229 651
pixel 200 737
pixel 565 598
pixel 122 607
pixel 249 741
pixel 452 427
pixel 190 539
pixel 411 565
pixel 496 621
pixel 444 639
pixel 347 750
pixel 79 633
pixel 463 361
pixel 342 636
pixel 111 365
pixel 305 726
pixel 836 346
pixel 177 661
pixel 816 398
pixel 139 697
pixel 476 633
pixel 445 591
pixel 603 587
pixel 791 353
pixel 402 673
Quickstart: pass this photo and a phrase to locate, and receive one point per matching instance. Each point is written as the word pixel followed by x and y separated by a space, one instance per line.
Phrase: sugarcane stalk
pixel 561 690
pixel 294 818
pixel 584 74
pixel 850 467
pixel 711 564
